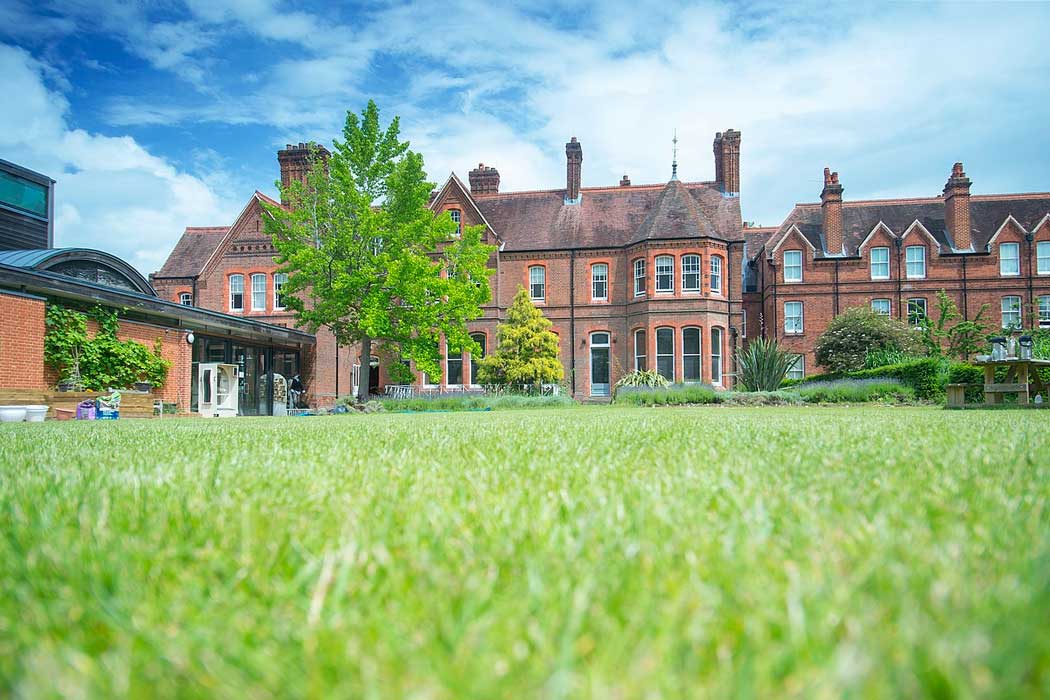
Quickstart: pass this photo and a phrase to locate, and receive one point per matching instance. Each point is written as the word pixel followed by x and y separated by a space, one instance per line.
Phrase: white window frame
pixel 913 320
pixel 716 356
pixel 691 269
pixel 602 280
pixel 667 274
pixel 541 283
pixel 607 344
pixel 794 324
pixel 873 262
pixel 798 369
pixel 449 359
pixel 457 217
pixel 235 290
pixel 643 355
pixel 889 307
pixel 908 262
pixel 743 323
pixel 716 274
pixel 1014 303
pixel 1013 270
pixel 1044 311
pixel 186 299
pixel 795 267
pixel 639 277
pixel 665 355
pixel 699 354
pixel 258 294
pixel 1042 258
pixel 279 280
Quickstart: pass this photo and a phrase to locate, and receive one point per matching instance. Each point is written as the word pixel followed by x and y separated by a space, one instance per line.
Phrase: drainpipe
pixel 572 318
pixel 773 267
pixel 337 370
pixel 900 275
pixel 729 300
pixel 965 313
pixel 835 296
pixel 1031 299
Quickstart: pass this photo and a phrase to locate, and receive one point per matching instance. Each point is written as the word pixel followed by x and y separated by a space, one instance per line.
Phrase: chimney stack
pixel 484 180
pixel 727 162
pixel 573 165
pixel 625 181
pixel 296 163
pixel 957 208
pixel 831 208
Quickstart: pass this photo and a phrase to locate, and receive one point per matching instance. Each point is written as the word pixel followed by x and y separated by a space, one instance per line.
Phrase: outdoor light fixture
pixel 189 338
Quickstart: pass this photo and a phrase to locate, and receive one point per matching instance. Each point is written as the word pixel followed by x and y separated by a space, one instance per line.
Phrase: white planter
pixel 36 414
pixel 12 414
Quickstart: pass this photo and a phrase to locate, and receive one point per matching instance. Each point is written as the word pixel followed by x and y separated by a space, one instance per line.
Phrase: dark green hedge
pixel 923 376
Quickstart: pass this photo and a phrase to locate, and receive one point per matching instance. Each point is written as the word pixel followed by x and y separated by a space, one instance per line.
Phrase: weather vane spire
pixel 674 156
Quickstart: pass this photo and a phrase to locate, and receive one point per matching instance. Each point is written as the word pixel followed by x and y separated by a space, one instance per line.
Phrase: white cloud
pixel 111 193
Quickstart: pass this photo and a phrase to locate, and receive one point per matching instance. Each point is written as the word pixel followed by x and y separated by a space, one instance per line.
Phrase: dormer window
pixel 915 261
pixel 186 299
pixel 1009 259
pixel 792 265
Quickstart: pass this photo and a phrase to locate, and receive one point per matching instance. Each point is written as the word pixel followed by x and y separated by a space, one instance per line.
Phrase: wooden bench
pixel 132 405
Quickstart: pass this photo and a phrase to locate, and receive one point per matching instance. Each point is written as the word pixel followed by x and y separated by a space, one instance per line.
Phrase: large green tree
pixel 367 258
pixel 526 348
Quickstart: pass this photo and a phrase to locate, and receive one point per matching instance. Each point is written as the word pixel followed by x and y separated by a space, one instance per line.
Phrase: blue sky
pixel 158 115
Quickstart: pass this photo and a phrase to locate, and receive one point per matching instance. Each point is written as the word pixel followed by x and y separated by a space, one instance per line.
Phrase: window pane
pixel 22 194
pixel 1042 252
pixel 716 274
pixel 537 282
pixel 665 273
pixel 1009 264
pixel 1044 311
pixel 691 354
pixel 793 266
pixel 639 350
pixel 916 311
pixel 665 352
pixel 880 263
pixel 915 257
pixel 599 281
pixel 798 369
pixel 691 273
pixel 1011 312
pixel 258 292
pixel 455 369
pixel 279 280
pixel 639 277
pixel 716 355
pixel 793 317
pixel 237 292
pixel 881 306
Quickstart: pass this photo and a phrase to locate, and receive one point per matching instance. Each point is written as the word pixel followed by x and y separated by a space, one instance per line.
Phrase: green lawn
pixel 598 552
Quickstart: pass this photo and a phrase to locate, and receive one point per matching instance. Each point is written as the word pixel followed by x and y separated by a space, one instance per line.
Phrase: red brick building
pixel 630 275
pixel 895 255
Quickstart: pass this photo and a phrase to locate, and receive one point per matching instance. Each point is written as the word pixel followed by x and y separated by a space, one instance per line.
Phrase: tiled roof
pixel 987 214
pixel 610 216
pixel 192 251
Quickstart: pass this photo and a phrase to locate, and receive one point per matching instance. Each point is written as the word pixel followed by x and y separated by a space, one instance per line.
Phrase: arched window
pixel 475 358
pixel 258 292
pixel 279 280
pixel 716 274
pixel 537 283
pixel 716 355
pixel 236 292
pixel 665 352
pixel 691 354
pixel 664 273
pixel 599 282
pixel 186 299
pixel 640 349
pixel 690 273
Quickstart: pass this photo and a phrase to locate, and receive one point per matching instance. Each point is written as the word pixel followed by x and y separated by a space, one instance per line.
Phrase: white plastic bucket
pixel 36 414
pixel 12 414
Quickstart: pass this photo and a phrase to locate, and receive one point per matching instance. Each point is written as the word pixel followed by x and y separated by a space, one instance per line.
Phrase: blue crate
pixel 107 414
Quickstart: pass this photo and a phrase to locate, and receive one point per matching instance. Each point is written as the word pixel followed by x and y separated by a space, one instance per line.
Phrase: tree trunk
pixel 363 380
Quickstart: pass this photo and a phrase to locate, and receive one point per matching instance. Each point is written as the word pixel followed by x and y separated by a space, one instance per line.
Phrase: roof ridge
pixel 1012 196
pixel 600 188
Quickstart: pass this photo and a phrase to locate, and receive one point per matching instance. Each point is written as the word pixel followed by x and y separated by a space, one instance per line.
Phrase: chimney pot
pixel 625 181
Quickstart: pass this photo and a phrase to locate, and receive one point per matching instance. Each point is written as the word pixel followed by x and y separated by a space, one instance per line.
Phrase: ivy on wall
pixel 104 361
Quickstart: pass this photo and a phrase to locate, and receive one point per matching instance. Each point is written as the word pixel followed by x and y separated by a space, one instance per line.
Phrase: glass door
pixel 599 364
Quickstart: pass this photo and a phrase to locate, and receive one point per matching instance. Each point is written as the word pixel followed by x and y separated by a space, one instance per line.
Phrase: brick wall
pixel 21 342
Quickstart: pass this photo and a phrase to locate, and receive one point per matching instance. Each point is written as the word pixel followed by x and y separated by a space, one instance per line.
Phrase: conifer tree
pixel 527 349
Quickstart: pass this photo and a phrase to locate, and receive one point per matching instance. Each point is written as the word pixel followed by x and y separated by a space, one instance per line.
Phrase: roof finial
pixel 674 157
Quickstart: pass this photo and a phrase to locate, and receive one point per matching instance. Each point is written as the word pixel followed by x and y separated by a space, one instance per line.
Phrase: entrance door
pixel 373 376
pixel 599 364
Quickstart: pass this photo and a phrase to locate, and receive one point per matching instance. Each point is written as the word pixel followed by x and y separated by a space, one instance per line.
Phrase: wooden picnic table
pixel 1022 378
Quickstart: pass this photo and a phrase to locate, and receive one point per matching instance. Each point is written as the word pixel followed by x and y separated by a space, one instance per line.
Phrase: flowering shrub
pixel 850 336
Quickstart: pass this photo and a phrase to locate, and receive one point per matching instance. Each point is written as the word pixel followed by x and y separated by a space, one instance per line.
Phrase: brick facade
pixel 21 342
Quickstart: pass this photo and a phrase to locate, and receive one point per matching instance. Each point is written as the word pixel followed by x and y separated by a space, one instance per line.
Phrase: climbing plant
pixel 103 361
